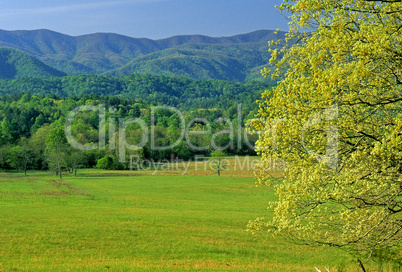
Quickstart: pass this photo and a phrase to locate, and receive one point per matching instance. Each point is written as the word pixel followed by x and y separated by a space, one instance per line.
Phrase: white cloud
pixel 70 8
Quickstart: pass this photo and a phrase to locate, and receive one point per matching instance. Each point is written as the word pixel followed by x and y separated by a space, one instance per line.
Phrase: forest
pixel 180 92
pixel 35 100
pixel 33 116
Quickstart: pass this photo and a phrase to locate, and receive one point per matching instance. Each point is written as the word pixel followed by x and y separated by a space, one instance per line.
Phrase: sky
pixel 154 19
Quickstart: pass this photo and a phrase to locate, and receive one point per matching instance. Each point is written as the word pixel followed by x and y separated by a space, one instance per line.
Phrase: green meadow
pixel 136 221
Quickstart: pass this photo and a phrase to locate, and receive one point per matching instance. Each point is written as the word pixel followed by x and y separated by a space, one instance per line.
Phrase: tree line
pixel 33 132
pixel 180 92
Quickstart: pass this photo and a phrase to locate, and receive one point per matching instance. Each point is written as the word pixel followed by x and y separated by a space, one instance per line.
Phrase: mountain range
pixel 48 53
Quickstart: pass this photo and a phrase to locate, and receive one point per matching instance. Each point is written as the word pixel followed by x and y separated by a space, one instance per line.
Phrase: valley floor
pixel 144 221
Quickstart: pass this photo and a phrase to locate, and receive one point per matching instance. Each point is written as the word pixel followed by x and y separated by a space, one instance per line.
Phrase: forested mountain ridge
pixel 202 61
pixel 183 93
pixel 205 57
pixel 15 64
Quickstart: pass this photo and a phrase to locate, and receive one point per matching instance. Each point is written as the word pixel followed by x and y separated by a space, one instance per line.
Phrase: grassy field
pixel 136 221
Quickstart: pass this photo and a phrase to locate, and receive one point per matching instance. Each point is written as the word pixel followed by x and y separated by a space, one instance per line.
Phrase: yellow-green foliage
pixel 344 74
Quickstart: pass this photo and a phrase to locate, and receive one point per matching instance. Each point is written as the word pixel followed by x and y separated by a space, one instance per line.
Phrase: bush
pixel 108 163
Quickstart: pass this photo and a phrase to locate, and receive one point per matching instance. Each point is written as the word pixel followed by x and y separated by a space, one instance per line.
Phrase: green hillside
pixel 188 63
pixel 233 62
pixel 15 64
pixel 196 56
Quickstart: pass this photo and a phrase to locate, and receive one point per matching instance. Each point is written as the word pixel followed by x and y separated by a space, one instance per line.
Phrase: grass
pixel 137 221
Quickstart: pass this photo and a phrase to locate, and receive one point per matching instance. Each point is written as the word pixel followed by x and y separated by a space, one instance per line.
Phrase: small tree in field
pixel 218 163
pixel 336 119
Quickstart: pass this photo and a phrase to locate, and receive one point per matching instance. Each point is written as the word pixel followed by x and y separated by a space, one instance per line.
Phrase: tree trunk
pixel 361 265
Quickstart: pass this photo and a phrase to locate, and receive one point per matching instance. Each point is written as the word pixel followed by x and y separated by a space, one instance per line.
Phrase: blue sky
pixel 153 19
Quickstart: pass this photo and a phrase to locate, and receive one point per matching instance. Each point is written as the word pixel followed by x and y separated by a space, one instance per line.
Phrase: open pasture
pixel 137 221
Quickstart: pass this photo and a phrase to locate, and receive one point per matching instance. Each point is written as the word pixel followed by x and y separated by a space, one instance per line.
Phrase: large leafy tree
pixel 336 119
